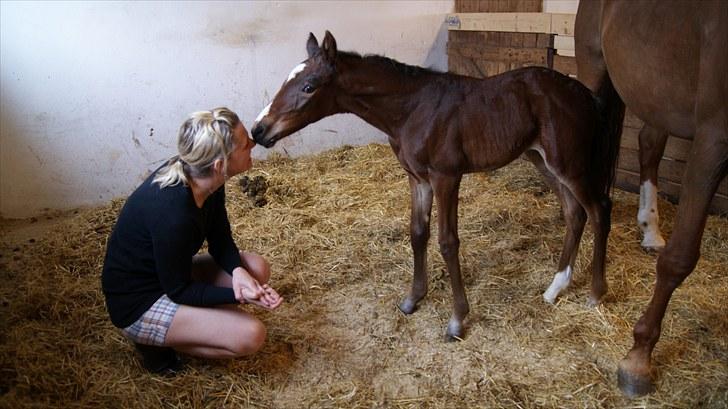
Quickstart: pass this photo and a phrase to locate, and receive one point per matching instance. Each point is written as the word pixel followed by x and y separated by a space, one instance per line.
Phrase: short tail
pixel 606 147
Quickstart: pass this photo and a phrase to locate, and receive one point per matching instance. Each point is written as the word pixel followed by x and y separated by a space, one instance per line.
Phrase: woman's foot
pixel 159 360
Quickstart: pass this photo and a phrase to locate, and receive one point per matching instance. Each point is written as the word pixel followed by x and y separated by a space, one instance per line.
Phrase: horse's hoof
pixel 407 306
pixel 454 332
pixel 451 338
pixel 634 385
pixel 593 302
pixel 653 246
pixel 652 249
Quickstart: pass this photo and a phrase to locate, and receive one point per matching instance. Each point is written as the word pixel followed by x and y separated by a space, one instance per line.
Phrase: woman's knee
pixel 257 266
pixel 250 338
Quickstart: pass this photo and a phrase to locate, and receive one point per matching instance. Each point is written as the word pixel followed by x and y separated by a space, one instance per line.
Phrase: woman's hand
pixel 246 287
pixel 248 290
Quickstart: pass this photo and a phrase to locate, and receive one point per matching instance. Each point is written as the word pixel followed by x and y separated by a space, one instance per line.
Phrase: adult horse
pixel 668 61
pixel 651 147
pixel 442 126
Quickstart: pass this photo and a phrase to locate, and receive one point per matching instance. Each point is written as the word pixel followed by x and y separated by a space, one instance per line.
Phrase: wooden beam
pixel 550 23
pixel 510 54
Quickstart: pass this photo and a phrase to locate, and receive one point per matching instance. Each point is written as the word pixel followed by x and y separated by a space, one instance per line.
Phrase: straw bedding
pixel 335 228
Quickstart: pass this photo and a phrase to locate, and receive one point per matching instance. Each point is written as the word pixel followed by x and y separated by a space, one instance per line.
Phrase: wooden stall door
pixel 485 53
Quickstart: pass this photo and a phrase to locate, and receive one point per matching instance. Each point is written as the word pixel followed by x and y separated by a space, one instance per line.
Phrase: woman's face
pixel 239 159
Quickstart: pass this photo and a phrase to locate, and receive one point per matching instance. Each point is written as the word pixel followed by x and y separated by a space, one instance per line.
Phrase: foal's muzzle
pixel 258 132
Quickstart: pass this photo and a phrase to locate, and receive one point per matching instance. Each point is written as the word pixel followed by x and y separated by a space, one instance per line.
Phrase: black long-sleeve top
pixel 149 252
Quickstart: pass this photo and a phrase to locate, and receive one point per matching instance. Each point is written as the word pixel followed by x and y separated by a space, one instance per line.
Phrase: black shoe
pixel 159 360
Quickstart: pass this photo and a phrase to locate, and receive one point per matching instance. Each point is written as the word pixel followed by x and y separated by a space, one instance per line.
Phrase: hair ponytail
pixel 171 174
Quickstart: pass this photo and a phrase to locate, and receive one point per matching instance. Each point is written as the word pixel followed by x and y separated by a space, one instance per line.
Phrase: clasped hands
pixel 248 290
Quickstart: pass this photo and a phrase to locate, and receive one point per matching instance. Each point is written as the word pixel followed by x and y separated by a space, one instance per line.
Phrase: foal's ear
pixel 329 47
pixel 312 45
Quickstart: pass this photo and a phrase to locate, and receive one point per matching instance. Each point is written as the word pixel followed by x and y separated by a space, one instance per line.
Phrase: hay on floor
pixel 335 228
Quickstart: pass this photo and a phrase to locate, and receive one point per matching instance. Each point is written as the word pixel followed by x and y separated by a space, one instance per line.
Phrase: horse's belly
pixel 653 60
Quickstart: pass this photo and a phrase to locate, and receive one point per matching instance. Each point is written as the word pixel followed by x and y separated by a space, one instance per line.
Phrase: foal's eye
pixel 308 88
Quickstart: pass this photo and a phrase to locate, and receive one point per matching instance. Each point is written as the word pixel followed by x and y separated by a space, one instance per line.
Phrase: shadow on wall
pixel 26 160
pixel 437 55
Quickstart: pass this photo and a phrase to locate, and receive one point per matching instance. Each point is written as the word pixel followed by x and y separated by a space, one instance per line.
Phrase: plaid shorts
pixel 151 328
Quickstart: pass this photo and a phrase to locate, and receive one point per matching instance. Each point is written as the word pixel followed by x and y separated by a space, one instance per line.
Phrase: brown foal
pixel 442 126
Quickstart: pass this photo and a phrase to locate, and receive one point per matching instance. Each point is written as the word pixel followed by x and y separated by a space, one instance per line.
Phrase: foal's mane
pixel 411 71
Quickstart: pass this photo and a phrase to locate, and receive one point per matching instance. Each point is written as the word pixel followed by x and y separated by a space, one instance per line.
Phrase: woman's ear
pixel 218 167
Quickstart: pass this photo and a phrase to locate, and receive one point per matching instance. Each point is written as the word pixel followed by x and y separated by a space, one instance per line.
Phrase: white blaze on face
pixel 295 71
pixel 648 217
pixel 262 114
pixel 562 279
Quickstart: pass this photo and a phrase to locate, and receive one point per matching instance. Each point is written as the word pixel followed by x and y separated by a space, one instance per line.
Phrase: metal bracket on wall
pixel 453 22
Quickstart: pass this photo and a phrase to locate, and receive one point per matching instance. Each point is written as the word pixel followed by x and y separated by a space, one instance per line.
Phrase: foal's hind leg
pixel 421 192
pixel 599 211
pixel 575 218
pixel 652 146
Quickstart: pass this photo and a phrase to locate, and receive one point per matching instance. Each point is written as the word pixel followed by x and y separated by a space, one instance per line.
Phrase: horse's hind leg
pixel 575 218
pixel 706 167
pixel 446 194
pixel 652 145
pixel 421 192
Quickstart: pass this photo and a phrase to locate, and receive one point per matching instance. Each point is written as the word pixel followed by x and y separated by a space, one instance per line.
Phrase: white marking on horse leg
pixel 454 328
pixel 648 217
pixel 300 67
pixel 262 114
pixel 562 279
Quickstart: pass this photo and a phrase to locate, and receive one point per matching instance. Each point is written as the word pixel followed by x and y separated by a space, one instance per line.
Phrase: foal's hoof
pixel 407 306
pixel 593 302
pixel 633 384
pixel 454 332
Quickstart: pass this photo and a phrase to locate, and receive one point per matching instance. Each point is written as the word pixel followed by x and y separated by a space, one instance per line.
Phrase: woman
pixel 164 295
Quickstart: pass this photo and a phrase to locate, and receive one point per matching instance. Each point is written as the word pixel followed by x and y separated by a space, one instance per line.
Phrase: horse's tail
pixel 609 133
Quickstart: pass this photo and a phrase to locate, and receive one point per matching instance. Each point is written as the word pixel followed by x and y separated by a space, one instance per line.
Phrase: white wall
pixel 92 93
pixel 560 6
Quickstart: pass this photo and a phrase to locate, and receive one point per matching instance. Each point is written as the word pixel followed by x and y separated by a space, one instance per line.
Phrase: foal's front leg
pixel 446 194
pixel 421 192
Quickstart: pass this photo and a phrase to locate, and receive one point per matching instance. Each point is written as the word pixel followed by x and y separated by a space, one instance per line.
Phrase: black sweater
pixel 150 251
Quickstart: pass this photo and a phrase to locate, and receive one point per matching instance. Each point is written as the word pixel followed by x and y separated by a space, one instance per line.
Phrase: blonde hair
pixel 203 138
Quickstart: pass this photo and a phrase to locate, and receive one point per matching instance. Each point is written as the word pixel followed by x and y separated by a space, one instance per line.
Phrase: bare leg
pixel 706 167
pixel 652 146
pixel 419 235
pixel 446 193
pixel 206 270
pixel 215 332
pixel 223 331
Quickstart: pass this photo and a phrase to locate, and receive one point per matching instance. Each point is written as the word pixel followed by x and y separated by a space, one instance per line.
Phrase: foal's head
pixel 308 95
